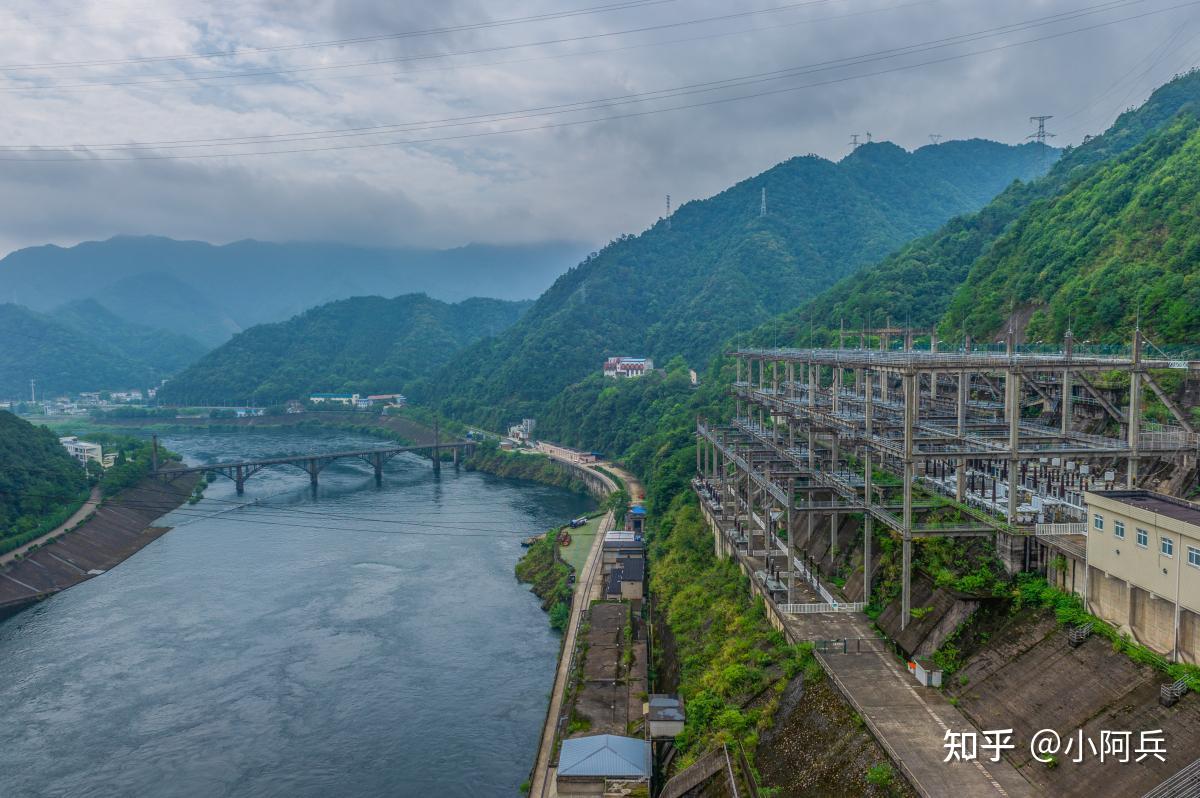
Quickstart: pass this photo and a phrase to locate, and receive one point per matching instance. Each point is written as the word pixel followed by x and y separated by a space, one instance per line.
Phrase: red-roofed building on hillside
pixel 618 367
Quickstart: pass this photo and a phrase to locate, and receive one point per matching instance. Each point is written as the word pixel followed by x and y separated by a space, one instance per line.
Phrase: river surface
pixel 363 641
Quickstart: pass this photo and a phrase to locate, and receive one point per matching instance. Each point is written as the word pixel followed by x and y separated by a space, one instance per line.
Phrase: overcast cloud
pixel 578 181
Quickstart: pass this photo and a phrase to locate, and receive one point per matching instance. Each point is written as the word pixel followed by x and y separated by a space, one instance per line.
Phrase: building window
pixel 1119 529
pixel 1098 522
pixel 1143 538
pixel 1193 556
pixel 1167 546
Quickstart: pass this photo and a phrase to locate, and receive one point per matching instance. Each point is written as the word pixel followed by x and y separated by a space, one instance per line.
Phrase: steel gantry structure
pixel 814 430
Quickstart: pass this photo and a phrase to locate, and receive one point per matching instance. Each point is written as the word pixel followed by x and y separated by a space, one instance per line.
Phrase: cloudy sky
pixel 440 122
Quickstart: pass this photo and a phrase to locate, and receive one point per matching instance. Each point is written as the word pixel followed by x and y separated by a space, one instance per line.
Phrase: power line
pixel 197 78
pixel 630 115
pixel 193 78
pixel 581 105
pixel 471 26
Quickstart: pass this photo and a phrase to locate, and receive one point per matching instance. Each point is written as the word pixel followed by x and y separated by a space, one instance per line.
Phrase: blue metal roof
pixel 605 755
pixel 637 510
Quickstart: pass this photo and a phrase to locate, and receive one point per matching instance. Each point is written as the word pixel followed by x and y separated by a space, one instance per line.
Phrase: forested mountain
pixel 1069 220
pixel 38 479
pixel 162 351
pixel 719 266
pixel 211 292
pixel 358 345
pixel 87 350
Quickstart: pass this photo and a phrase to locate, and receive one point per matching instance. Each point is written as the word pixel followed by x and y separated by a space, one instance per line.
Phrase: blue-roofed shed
pixel 585 761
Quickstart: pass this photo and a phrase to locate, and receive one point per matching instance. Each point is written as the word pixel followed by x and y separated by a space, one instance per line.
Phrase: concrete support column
pixel 1013 393
pixel 377 464
pixel 791 540
pixel 910 402
pixel 240 481
pixel 1135 410
pixel 960 481
pixel 312 473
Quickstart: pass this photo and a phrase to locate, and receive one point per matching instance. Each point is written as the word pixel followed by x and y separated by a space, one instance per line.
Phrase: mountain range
pixel 720 266
pixel 84 346
pixel 358 345
pixel 210 292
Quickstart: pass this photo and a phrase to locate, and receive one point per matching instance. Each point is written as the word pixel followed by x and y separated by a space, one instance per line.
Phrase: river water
pixel 363 641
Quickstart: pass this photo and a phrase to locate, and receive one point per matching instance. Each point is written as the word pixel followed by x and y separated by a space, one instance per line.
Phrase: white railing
pixel 834 606
pixel 1050 530
pixel 809 577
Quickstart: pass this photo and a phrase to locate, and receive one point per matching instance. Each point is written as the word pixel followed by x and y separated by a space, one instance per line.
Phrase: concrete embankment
pixel 119 528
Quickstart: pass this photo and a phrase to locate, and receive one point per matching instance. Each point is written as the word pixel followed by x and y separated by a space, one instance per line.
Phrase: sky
pixel 443 122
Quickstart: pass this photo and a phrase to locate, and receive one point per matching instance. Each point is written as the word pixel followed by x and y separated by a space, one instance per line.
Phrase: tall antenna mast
pixel 868 137
pixel 853 141
pixel 936 137
pixel 762 208
pixel 32 391
pixel 668 211
pixel 1040 135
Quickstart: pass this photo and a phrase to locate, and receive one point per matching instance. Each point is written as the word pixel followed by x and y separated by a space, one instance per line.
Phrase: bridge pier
pixel 377 463
pixel 240 480
pixel 313 470
pixel 437 459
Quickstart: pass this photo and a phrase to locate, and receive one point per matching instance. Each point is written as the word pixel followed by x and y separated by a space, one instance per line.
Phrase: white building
pixel 334 398
pixel 82 450
pixel 522 432
pixel 621 366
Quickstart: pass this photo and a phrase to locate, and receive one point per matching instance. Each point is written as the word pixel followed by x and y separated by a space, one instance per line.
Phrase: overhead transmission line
pixel 379 37
pixel 585 105
pixel 280 71
pixel 172 79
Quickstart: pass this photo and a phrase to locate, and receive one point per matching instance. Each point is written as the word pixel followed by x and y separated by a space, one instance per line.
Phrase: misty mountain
pixel 358 345
pixel 74 354
pixel 211 292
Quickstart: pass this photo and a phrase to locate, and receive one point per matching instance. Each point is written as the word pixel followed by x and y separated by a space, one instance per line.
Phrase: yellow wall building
pixel 1143 554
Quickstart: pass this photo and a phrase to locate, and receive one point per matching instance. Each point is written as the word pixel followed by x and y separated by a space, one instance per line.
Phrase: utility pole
pixel 668 211
pixel 936 138
pixel 1040 135
pixel 868 137
pixel 762 208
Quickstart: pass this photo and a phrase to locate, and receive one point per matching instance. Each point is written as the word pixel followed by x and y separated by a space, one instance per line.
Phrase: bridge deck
pixel 302 458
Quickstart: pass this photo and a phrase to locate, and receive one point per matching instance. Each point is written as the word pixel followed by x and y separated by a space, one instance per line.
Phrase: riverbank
pixel 119 527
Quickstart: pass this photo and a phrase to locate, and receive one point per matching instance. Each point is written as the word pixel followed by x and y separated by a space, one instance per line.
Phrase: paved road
pixel 586 589
pixel 85 511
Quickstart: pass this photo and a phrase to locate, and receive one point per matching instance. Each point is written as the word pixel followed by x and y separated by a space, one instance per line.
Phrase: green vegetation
pixel 361 345
pixel 881 775
pixel 728 652
pixel 40 484
pixel 687 288
pixel 976 268
pixel 1123 239
pixel 491 459
pixel 541 568
pixel 1034 591
pixel 67 358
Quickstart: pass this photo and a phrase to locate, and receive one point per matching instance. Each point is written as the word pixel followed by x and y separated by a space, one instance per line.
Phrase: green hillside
pixel 162 351
pixel 720 267
pixel 361 345
pixel 63 359
pixel 916 284
pixel 1125 238
pixel 40 484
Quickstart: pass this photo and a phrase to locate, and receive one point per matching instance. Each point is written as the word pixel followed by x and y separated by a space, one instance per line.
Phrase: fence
pixel 810 609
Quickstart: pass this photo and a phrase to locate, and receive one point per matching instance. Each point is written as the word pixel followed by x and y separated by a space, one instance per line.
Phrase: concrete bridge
pixel 314 464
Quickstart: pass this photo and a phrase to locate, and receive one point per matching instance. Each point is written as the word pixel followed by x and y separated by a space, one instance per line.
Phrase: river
pixel 363 641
